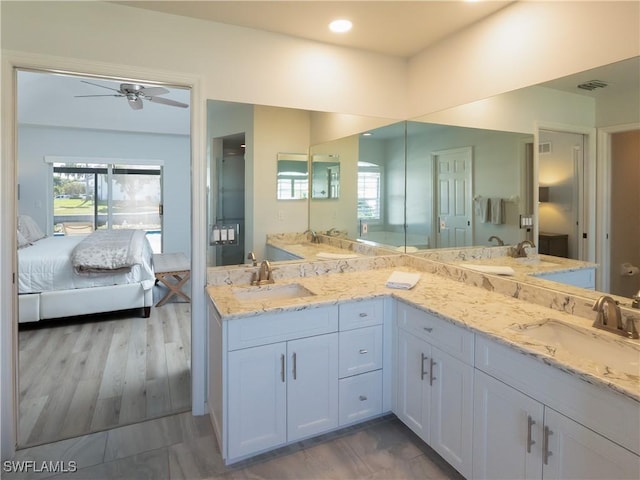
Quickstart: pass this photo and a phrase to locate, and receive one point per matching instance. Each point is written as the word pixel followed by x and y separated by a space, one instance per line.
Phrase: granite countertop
pixel 531 265
pixel 499 317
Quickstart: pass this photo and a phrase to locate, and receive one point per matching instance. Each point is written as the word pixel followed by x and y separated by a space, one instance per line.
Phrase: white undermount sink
pixel 618 354
pixel 272 291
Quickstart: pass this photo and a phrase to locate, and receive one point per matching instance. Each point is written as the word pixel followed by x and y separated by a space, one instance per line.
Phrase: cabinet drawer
pixel 360 397
pixel 361 314
pixel 360 350
pixel 454 340
pixel 278 327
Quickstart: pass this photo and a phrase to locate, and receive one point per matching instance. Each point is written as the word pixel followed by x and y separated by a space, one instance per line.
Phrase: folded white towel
pixel 403 280
pixel 335 256
pixel 494 269
pixel 497 210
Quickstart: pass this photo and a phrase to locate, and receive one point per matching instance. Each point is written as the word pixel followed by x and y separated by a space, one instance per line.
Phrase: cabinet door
pixel 572 451
pixel 257 399
pixel 412 395
pixel 506 444
pixel 312 385
pixel 451 413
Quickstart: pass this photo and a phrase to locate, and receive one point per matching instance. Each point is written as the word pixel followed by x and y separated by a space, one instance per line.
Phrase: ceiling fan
pixel 135 93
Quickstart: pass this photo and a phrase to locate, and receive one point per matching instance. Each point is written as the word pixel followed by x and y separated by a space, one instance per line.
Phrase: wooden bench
pixel 173 270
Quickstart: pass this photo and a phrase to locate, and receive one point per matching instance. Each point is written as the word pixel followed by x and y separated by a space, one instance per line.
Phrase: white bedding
pixel 46 266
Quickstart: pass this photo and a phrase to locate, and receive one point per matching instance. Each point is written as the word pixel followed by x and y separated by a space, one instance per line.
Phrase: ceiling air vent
pixel 592 85
pixel 544 147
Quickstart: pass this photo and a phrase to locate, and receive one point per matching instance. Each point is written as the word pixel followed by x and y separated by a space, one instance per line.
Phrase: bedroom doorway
pixel 88 373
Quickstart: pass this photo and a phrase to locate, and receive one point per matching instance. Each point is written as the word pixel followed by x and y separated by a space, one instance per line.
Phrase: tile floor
pixel 182 446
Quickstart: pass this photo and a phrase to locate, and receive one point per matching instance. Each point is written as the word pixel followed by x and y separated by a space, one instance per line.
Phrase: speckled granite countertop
pixel 482 311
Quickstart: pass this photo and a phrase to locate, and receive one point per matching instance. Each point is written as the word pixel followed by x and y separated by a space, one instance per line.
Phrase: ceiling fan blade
pixel 153 91
pixel 167 101
pixel 135 103
pixel 98 85
pixel 107 95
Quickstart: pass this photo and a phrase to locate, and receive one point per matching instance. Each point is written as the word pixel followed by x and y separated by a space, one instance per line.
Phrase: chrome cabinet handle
pixel 363 351
pixel 530 423
pixel 545 445
pixel 431 365
pixel 362 398
pixel 363 314
pixel 295 361
pixel 282 367
pixel 423 357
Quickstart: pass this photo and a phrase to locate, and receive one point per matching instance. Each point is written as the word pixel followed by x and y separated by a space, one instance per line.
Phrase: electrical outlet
pixel 365 228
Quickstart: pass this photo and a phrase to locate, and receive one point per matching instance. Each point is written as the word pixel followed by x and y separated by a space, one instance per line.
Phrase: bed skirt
pixel 33 307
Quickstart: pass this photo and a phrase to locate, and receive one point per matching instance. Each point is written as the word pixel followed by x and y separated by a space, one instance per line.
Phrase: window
pixel 369 191
pixel 292 185
pixel 108 196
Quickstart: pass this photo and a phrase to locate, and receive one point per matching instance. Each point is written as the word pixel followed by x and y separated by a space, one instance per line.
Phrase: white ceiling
pixel 399 28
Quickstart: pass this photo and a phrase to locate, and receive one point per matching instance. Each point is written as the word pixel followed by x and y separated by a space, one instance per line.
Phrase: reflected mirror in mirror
pixel 292 177
pixel 325 176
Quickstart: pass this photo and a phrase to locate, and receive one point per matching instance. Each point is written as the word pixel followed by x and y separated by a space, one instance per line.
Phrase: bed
pixel 51 286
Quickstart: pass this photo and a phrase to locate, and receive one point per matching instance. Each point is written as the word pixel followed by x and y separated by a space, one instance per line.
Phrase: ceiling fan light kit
pixel 135 94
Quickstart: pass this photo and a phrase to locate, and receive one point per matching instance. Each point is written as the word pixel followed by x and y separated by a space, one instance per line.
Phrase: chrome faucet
pixel 520 251
pixel 314 236
pixel 333 232
pixel 497 238
pixel 264 275
pixel 252 257
pixel 611 318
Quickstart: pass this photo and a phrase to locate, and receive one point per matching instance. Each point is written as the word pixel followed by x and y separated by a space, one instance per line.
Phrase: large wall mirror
pixel 394 190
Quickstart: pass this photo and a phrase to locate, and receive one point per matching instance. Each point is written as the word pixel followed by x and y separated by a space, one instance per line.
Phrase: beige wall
pixel 625 210
pixel 523 44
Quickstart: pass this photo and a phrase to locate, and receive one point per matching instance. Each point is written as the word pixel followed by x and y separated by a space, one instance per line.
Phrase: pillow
pixel 29 228
pixel 22 240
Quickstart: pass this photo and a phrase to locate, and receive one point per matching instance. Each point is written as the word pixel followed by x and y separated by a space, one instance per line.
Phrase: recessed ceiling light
pixel 340 26
pixel 367 134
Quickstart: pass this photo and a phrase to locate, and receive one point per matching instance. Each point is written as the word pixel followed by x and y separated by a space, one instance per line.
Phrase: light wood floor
pixel 103 371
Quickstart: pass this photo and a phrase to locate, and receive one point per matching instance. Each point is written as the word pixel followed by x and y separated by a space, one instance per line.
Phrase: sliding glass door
pixel 96 196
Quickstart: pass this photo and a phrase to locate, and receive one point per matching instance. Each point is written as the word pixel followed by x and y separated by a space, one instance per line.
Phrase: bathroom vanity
pixel 473 371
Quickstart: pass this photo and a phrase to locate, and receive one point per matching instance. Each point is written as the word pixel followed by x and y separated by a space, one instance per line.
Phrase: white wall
pixel 36 142
pixel 523 44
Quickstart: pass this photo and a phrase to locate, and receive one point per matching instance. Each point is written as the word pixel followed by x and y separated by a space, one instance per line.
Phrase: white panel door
pixel 451 415
pixel 257 399
pixel 312 385
pixel 454 202
pixel 507 431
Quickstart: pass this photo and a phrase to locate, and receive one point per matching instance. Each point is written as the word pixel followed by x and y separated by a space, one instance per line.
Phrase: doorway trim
pixel 11 61
pixel 603 174
pixel 587 179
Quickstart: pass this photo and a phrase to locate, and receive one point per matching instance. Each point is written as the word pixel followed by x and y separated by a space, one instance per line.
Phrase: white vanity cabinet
pixel 276 378
pixel 361 360
pixel 434 381
pixel 525 435
pixel 281 393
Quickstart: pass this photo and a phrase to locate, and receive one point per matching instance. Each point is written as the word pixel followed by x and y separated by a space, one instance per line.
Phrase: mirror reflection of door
pixel 454 182
pixel 230 198
pixel 560 170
